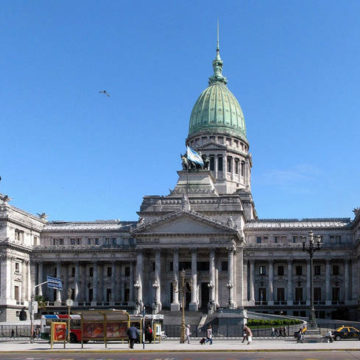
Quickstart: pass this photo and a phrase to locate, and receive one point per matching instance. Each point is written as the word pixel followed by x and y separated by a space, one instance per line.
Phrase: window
pixel 89 241
pixel 276 239
pixel 203 266
pixel 186 265
pixel 220 139
pixel 236 143
pixel 335 294
pixel 127 271
pixel 36 240
pixel 113 240
pixel 91 294
pixel 317 270
pixel 335 269
pixel 107 241
pixel 224 266
pixel 228 141
pixel 294 239
pixel 97 241
pixel 171 266
pixel 72 271
pixel 236 166
pixel 280 294
pixel 91 271
pixel 212 162
pixel 229 163
pixel 298 270
pixel 242 168
pixel 16 293
pixel 72 241
pixel 262 294
pixel 108 295
pixel 17 267
pixel 220 163
pixel 109 271
pixel 298 294
pixel 280 270
pixel 317 294
pixel 258 239
pixel 262 270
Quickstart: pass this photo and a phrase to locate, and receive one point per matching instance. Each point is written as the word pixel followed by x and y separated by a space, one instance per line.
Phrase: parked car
pixel 346 332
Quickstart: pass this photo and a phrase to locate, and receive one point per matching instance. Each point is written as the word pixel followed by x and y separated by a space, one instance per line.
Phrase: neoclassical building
pixel 207 226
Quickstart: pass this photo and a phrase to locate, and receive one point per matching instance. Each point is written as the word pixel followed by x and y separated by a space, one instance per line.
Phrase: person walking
pixel 209 335
pixel 272 332
pixel 149 334
pixel 248 334
pixel 244 334
pixel 187 333
pixel 132 333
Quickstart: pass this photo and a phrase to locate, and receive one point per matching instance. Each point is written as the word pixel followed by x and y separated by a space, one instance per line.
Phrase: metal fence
pixel 15 330
pixel 228 331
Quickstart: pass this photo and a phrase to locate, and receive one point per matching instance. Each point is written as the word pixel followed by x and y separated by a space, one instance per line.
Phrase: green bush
pixel 279 322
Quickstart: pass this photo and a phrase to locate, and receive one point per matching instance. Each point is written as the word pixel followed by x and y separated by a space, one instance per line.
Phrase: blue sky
pixel 78 155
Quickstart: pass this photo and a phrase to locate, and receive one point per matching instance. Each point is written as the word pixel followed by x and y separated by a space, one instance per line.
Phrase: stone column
pixel 327 283
pixel 113 282
pixel 122 283
pixel 354 280
pixel 104 282
pixel 216 166
pixel 58 275
pixel 308 288
pixel 251 282
pixel 95 288
pixel 239 278
pixel 346 281
pixel 131 282
pixel 40 278
pixel 157 282
pixel 290 286
pixel 217 267
pixel 76 282
pixel 175 305
pixel 139 277
pixel 193 306
pixel 212 279
pixel 271 282
pixel 230 284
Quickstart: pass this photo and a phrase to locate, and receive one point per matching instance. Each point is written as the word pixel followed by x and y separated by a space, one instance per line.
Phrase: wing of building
pixel 206 230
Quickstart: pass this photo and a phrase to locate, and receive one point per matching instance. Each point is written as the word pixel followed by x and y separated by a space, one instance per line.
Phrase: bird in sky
pixel 104 92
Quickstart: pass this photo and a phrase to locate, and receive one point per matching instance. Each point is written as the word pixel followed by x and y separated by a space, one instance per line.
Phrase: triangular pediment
pixel 213 146
pixel 184 223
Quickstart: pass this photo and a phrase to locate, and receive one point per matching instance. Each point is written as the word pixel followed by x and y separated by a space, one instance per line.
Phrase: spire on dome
pixel 217 64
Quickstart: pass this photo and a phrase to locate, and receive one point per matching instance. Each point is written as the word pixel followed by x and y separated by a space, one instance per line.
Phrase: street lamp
pixel 310 248
pixel 69 304
pixel 182 287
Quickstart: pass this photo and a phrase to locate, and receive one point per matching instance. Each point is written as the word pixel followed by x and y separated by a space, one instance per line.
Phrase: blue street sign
pixel 54 283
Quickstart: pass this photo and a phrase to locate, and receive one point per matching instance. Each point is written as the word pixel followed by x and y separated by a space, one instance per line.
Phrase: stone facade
pixel 207 226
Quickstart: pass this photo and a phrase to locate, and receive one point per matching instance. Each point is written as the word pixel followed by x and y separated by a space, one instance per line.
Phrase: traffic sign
pixel 54 283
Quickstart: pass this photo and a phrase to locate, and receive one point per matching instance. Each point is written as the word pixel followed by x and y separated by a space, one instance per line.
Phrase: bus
pixel 75 326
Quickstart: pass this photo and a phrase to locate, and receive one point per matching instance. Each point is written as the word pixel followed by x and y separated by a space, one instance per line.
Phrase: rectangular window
pixel 280 293
pixel 229 163
pixel 109 271
pixel 91 295
pixel 294 239
pixel 113 240
pixel 335 269
pixel 262 270
pixel 89 241
pixel 298 270
pixel 91 271
pixel 203 266
pixel 127 271
pixel 242 168
pixel 298 294
pixel 108 295
pixel 280 270
pixel 224 266
pixel 61 241
pixel 336 294
pixel 236 166
pixel 72 241
pixel 17 267
pixel 258 239
pixel 97 242
pixel 171 266
pixel 16 293
pixel 276 239
pixel 317 294
pixel 212 162
pixel 317 270
pixel 72 271
pixel 220 163
pixel 184 265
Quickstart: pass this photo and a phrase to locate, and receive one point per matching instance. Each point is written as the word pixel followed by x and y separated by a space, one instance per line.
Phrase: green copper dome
pixel 217 110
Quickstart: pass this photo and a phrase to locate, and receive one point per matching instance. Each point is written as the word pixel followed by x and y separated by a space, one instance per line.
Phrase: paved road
pixel 308 355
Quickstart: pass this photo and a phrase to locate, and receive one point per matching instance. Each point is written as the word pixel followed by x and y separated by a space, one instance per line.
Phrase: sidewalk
pixel 175 346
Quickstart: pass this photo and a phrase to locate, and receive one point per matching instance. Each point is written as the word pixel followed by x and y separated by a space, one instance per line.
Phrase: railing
pixel 14 330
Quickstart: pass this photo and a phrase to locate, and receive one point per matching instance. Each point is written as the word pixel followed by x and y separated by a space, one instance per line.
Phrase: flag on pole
pixel 193 156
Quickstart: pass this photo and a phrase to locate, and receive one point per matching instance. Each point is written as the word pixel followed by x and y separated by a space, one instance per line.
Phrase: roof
pixel 297 223
pixel 99 225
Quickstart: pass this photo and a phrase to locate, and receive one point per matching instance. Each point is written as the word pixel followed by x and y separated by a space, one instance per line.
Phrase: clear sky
pixel 76 154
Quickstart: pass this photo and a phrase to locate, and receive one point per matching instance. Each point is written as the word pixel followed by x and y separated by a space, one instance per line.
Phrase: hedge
pixel 253 322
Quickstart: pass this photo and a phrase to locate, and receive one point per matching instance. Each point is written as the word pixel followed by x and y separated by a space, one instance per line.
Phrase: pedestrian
pixel 149 334
pixel 249 334
pixel 329 336
pixel 244 334
pixel 132 333
pixel 209 334
pixel 187 333
pixel 284 331
pixel 280 332
pixel 12 333
pixel 272 332
pixel 276 332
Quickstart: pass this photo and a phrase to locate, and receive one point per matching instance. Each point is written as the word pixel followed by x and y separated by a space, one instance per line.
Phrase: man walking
pixel 187 333
pixel 132 333
pixel 209 335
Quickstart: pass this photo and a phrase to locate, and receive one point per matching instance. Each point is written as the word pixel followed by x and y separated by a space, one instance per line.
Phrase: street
pixel 294 355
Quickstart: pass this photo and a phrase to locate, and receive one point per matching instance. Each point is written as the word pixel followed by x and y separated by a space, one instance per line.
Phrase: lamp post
pixel 69 304
pixel 182 287
pixel 229 285
pixel 310 248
